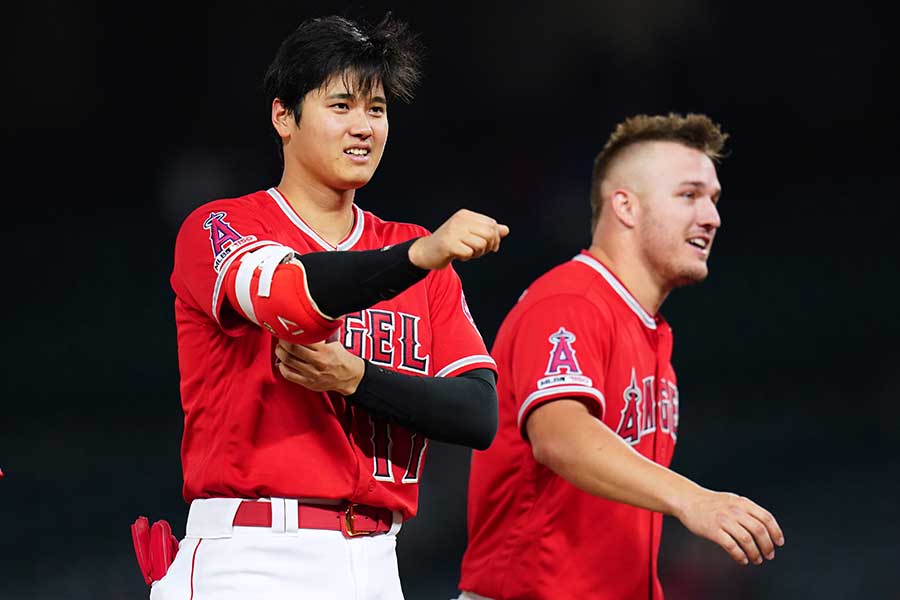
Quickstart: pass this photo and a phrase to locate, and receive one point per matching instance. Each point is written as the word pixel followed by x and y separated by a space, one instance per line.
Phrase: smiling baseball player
pixel 299 490
pixel 568 501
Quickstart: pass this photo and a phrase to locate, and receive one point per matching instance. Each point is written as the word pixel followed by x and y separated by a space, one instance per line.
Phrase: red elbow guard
pixel 274 295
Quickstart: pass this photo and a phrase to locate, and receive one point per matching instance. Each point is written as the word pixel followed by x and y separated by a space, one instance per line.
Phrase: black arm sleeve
pixel 459 410
pixel 345 282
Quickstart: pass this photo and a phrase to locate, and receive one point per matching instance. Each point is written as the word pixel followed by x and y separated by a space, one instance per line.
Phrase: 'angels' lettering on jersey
pixel 371 334
pixel 641 412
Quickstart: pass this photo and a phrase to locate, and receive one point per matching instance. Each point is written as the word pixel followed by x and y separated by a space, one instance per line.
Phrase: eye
pixel 690 194
pixel 377 109
pixel 341 106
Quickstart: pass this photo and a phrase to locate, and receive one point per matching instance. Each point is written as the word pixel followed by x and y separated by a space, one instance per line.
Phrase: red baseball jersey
pixel 248 432
pixel 576 333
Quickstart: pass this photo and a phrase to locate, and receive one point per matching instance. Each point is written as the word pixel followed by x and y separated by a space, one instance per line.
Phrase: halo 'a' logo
pixel 562 355
pixel 221 234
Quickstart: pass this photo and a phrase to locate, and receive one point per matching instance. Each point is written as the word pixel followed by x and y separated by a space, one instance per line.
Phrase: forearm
pixel 345 282
pixel 458 410
pixel 593 458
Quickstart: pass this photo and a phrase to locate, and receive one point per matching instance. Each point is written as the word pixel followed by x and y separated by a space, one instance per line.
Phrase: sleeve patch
pixel 223 238
pixel 562 354
pixel 564 379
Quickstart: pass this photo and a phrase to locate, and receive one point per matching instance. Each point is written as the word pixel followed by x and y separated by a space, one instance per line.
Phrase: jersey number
pixel 406 449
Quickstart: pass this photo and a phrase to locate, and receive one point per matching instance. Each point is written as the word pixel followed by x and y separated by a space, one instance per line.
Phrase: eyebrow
pixel 701 184
pixel 346 96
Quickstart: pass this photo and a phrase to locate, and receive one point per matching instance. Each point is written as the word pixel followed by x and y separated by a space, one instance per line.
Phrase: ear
pixel 282 119
pixel 625 206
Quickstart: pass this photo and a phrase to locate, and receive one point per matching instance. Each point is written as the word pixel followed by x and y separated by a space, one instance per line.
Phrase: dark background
pixel 118 119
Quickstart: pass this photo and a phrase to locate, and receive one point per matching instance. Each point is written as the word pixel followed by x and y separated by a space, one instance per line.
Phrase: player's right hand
pixel 464 236
pixel 745 530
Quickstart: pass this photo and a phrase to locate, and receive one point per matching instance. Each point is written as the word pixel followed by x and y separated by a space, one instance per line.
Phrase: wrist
pixel 685 496
pixel 358 371
pixel 416 253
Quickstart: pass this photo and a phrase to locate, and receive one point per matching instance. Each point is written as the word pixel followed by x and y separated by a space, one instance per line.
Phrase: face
pixel 340 138
pixel 677 217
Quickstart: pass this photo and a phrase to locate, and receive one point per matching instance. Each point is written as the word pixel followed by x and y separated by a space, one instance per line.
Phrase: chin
pixel 689 275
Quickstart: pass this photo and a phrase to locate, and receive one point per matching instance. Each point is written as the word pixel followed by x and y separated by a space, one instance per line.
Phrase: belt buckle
pixel 349 528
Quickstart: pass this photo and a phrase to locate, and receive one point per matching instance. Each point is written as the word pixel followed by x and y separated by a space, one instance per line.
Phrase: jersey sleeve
pixel 457 344
pixel 209 245
pixel 561 349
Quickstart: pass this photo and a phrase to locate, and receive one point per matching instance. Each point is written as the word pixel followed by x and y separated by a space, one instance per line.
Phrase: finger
pixel 504 230
pixel 292 375
pixel 461 251
pixel 744 540
pixel 478 244
pixel 766 518
pixel 731 547
pixel 760 535
pixel 294 362
pixel 298 351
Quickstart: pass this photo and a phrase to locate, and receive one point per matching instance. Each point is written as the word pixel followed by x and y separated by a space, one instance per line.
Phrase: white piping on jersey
pixel 469 360
pixel 267 258
pixel 581 390
pixel 346 244
pixel 217 289
pixel 614 283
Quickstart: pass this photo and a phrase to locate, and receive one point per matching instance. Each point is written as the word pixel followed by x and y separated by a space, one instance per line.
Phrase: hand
pixel 742 528
pixel 321 367
pixel 464 236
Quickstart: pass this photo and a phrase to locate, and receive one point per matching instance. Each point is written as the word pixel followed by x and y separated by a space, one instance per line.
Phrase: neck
pixel 329 212
pixel 634 274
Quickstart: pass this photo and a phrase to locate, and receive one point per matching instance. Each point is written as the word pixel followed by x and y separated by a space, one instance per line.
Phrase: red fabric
pixel 155 548
pixel 249 433
pixel 531 533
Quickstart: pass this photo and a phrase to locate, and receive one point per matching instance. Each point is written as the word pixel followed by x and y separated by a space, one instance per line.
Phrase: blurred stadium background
pixel 119 118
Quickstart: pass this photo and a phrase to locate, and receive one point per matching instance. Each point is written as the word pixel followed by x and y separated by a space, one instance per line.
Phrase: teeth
pixel 698 242
pixel 357 151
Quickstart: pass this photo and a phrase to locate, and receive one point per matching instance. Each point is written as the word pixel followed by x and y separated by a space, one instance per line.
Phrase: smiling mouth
pixel 357 151
pixel 699 243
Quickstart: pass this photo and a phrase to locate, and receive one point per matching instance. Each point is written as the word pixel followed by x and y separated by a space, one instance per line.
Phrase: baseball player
pixel 299 490
pixel 568 501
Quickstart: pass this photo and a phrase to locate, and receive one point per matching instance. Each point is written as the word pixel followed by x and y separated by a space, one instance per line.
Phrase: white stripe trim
pixel 217 288
pixel 359 224
pixel 580 390
pixel 272 257
pixel 355 234
pixel 463 362
pixel 267 258
pixel 623 293
pixel 242 286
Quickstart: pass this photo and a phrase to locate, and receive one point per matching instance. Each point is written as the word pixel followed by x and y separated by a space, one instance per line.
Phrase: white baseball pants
pixel 219 561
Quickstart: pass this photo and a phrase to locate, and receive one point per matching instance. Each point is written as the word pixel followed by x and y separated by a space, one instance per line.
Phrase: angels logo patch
pixel 563 367
pixel 223 238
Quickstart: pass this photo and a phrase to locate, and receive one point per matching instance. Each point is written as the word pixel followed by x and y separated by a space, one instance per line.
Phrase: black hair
pixel 319 49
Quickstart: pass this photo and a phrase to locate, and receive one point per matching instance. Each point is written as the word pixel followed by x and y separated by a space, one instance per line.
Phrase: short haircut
pixel 365 56
pixel 694 131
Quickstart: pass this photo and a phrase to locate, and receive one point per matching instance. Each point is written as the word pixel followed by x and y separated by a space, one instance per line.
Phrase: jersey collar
pixel 617 286
pixel 345 244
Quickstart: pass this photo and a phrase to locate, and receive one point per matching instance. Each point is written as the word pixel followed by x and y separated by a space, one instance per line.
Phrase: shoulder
pixel 223 209
pixel 571 280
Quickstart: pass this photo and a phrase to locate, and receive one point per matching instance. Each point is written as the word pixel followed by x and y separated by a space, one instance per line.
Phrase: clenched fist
pixel 464 236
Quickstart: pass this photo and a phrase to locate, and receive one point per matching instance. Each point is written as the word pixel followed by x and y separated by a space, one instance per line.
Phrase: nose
pixel 361 127
pixel 709 215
